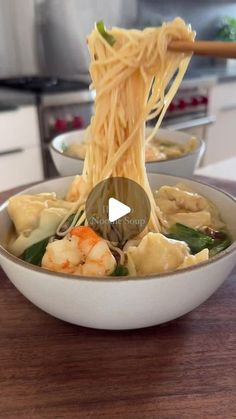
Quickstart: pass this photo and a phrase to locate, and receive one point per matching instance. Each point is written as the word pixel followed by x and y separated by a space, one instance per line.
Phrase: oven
pixel 189 110
pixel 63 113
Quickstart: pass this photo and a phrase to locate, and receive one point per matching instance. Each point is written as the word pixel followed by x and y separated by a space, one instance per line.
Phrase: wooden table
pixel 183 369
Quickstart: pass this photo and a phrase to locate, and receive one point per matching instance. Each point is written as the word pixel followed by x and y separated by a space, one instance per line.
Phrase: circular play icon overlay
pixel 118 209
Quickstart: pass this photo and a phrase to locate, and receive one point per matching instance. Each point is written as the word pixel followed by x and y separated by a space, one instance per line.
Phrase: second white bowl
pixel 179 166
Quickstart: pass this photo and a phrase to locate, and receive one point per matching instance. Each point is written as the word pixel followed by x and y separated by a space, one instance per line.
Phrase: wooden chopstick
pixel 210 48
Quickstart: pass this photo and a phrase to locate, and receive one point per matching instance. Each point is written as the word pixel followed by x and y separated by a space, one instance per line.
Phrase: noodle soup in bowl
pixel 68 150
pixel 121 302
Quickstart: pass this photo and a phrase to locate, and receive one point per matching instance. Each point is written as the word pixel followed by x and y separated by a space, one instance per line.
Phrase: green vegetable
pixel 120 270
pixel 34 254
pixel 219 245
pixel 196 240
pixel 227 30
pixel 64 147
pixel 102 30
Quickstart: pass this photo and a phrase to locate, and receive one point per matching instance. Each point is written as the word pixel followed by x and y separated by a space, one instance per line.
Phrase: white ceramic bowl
pixel 180 166
pixel 122 303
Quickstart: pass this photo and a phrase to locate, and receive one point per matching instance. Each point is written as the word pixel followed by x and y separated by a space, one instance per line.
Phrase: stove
pixel 43 85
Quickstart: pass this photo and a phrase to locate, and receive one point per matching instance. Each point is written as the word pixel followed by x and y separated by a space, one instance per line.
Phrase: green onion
pixel 220 245
pixel 34 254
pixel 120 270
pixel 196 240
pixel 64 147
pixel 102 30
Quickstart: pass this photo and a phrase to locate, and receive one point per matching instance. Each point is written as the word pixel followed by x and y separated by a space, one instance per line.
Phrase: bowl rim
pixel 200 145
pixel 111 279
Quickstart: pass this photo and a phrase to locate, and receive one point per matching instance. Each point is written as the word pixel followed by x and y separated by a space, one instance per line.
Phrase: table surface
pixel 183 369
pixel 219 169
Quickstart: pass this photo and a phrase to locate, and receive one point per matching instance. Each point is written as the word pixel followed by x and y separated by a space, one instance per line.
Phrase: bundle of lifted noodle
pixel 135 78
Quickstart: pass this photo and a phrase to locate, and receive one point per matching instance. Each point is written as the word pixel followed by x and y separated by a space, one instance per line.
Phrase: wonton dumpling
pixel 25 210
pixel 187 207
pixel 195 259
pixel 154 254
pixel 35 217
pixel 172 199
pixel 191 219
pixel 49 220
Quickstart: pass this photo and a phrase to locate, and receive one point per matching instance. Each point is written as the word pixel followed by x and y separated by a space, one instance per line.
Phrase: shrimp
pixel 153 153
pixel 81 252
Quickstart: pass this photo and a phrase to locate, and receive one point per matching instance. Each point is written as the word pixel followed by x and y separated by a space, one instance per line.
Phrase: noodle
pixel 131 79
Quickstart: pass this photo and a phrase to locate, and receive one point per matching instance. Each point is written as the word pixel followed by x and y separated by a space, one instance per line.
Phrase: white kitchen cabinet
pixel 221 138
pixel 20 168
pixel 20 151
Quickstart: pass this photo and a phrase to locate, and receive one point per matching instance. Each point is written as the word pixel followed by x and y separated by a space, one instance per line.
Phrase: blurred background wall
pixel 48 36
pixel 204 15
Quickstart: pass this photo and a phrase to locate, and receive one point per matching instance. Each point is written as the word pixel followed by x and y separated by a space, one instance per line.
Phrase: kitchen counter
pixel 225 169
pixel 213 74
pixel 13 97
pixel 210 74
pixel 182 369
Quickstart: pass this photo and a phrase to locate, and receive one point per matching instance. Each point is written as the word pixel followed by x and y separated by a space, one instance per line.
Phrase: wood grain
pixel 210 48
pixel 183 369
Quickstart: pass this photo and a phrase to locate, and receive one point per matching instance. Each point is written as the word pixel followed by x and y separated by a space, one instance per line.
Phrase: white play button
pixel 117 209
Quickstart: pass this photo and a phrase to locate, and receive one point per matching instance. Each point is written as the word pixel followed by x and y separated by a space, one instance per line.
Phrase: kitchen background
pixel 44 79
